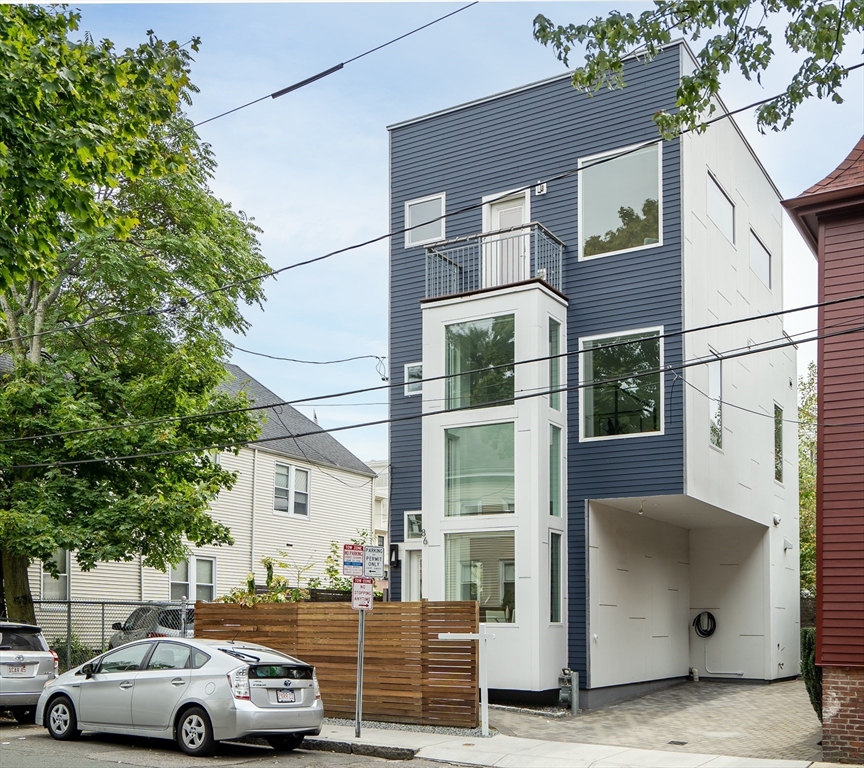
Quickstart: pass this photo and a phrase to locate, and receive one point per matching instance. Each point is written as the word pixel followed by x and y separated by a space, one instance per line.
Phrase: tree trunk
pixel 16 587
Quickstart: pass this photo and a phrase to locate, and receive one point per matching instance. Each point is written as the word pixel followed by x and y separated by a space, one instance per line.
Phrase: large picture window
pixel 479 470
pixel 474 351
pixel 291 490
pixel 627 396
pixel 619 202
pixel 481 566
pixel 424 222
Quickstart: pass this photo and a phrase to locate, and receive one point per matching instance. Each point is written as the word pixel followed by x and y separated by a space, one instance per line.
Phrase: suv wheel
pixel 285 743
pixel 194 732
pixel 60 720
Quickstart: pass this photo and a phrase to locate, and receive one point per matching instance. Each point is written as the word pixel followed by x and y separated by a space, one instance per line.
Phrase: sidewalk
pixel 515 752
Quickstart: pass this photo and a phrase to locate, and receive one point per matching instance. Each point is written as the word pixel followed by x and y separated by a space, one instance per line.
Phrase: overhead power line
pixel 364 390
pixel 335 68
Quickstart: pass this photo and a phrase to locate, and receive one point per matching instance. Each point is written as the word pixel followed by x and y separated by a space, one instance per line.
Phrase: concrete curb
pixel 366 750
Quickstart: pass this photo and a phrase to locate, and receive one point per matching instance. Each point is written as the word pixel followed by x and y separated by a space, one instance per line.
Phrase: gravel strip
pixel 473 733
pixel 542 711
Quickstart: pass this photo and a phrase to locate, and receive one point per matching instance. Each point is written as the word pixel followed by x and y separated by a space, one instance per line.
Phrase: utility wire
pixel 335 68
pixel 670 369
pixel 379 358
pixel 391 386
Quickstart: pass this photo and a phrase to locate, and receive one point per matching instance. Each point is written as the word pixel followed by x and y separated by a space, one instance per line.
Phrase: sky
pixel 311 167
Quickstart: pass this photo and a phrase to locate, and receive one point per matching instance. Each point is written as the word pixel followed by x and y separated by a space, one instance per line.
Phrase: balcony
pixel 493 259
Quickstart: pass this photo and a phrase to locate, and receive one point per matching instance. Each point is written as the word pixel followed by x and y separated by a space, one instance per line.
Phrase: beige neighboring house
pixel 304 493
pixel 381 511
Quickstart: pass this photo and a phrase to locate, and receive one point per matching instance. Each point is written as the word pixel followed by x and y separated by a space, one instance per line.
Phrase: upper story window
pixel 57 588
pixel 413 379
pixel 721 209
pixel 291 491
pixel 424 220
pixel 475 350
pixel 620 201
pixel 628 396
pixel 760 259
pixel 479 470
pixel 715 402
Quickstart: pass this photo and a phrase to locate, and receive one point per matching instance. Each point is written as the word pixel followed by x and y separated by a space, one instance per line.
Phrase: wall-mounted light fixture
pixel 394 555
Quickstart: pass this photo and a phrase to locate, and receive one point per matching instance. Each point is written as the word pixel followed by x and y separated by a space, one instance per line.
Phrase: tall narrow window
pixel 619 201
pixel 715 402
pixel 554 364
pixel 479 470
pixel 621 393
pixel 554 577
pixel 180 580
pixel 555 471
pixel 480 357
pixel 778 443
pixel 424 222
pixel 721 209
pixel 57 588
pixel 760 259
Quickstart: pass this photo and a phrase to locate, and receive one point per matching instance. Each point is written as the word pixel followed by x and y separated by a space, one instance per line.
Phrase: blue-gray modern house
pixel 587 441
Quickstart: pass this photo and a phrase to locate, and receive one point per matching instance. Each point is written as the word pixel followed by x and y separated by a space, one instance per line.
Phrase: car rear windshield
pixel 20 639
pixel 269 671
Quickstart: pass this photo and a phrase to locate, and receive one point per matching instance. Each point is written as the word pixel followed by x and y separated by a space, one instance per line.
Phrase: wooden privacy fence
pixel 409 675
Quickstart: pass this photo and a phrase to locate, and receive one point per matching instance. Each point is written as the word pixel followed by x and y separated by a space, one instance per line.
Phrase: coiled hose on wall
pixel 705 624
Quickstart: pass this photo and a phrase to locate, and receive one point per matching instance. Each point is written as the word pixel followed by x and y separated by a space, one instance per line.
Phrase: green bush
pixel 811 674
pixel 80 652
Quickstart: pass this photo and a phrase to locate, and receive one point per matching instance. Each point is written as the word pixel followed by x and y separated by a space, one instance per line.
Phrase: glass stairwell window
pixel 479 470
pixel 481 566
pixel 480 357
pixel 554 364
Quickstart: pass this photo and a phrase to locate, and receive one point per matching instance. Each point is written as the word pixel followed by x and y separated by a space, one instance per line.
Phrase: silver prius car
pixel 197 692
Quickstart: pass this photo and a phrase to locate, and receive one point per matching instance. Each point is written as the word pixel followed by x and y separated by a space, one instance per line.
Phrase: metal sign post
pixel 362 566
pixel 358 708
pixel 483 637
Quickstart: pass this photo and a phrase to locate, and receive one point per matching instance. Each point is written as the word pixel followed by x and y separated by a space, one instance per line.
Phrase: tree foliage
pixel 807 420
pixel 75 115
pixel 635 230
pixel 736 36
pixel 124 330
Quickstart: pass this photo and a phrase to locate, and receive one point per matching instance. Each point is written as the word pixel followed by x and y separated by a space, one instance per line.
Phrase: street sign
pixel 362 593
pixel 373 561
pixel 352 560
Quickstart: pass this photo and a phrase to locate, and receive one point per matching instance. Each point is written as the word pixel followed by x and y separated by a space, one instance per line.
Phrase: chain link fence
pixel 78 630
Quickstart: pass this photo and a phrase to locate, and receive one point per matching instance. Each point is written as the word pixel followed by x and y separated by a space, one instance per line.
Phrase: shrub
pixel 811 674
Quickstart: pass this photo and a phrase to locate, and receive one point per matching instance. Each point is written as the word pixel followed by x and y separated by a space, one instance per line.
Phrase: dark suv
pixel 154 620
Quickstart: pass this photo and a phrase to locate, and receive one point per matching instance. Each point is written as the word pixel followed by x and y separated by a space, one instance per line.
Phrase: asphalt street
pixel 32 747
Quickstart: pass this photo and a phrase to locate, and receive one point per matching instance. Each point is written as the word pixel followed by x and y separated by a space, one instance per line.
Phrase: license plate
pixel 284 696
pixel 16 669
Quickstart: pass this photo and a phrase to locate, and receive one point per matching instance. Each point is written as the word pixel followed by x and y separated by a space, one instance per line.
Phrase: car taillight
pixel 56 660
pixel 315 685
pixel 156 634
pixel 239 682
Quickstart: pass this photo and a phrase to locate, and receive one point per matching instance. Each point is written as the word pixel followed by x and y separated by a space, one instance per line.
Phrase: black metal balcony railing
pixel 493 259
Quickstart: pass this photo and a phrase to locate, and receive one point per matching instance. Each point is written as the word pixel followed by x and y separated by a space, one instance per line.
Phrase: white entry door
pixel 413 575
pixel 506 256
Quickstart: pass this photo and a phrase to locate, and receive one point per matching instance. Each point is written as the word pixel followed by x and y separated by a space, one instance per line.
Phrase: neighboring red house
pixel 830 215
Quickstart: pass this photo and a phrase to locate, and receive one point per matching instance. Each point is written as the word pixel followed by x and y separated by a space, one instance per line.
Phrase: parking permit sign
pixel 352 560
pixel 373 562
pixel 362 594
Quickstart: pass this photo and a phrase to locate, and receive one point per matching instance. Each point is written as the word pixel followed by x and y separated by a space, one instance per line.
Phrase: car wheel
pixel 285 743
pixel 25 715
pixel 60 720
pixel 194 732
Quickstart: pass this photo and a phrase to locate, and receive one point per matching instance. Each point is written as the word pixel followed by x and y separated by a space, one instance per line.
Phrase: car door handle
pixel 125 685
pixel 177 682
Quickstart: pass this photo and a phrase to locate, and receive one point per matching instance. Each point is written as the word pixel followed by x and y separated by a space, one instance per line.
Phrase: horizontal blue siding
pixel 507 143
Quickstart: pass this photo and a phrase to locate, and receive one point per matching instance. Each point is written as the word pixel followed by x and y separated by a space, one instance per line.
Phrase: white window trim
pixel 291 491
pixel 582 161
pixel 409 243
pixel 43 574
pixel 770 261
pixel 562 577
pixel 406 382
pixel 562 365
pixel 501 197
pixel 662 431
pixel 192 575
pixel 410 543
pixel 734 241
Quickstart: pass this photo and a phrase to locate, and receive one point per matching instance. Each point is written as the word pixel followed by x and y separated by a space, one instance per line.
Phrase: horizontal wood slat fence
pixel 409 675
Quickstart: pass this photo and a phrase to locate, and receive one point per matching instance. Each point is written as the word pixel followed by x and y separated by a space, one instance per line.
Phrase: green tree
pixel 735 36
pixel 75 115
pixel 807 478
pixel 635 230
pixel 73 367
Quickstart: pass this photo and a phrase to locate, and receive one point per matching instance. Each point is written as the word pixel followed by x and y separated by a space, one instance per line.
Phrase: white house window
pixel 479 470
pixel 475 350
pixel 554 577
pixel 721 210
pixel 481 566
pixel 627 398
pixel 760 259
pixel 291 490
pixel 778 443
pixel 413 525
pixel 620 201
pixel 715 402
pixel 194 579
pixel 424 222
pixel 413 379
pixel 57 588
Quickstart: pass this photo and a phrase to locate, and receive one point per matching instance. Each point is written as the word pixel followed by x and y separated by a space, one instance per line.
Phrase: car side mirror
pixel 118 625
pixel 87 670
